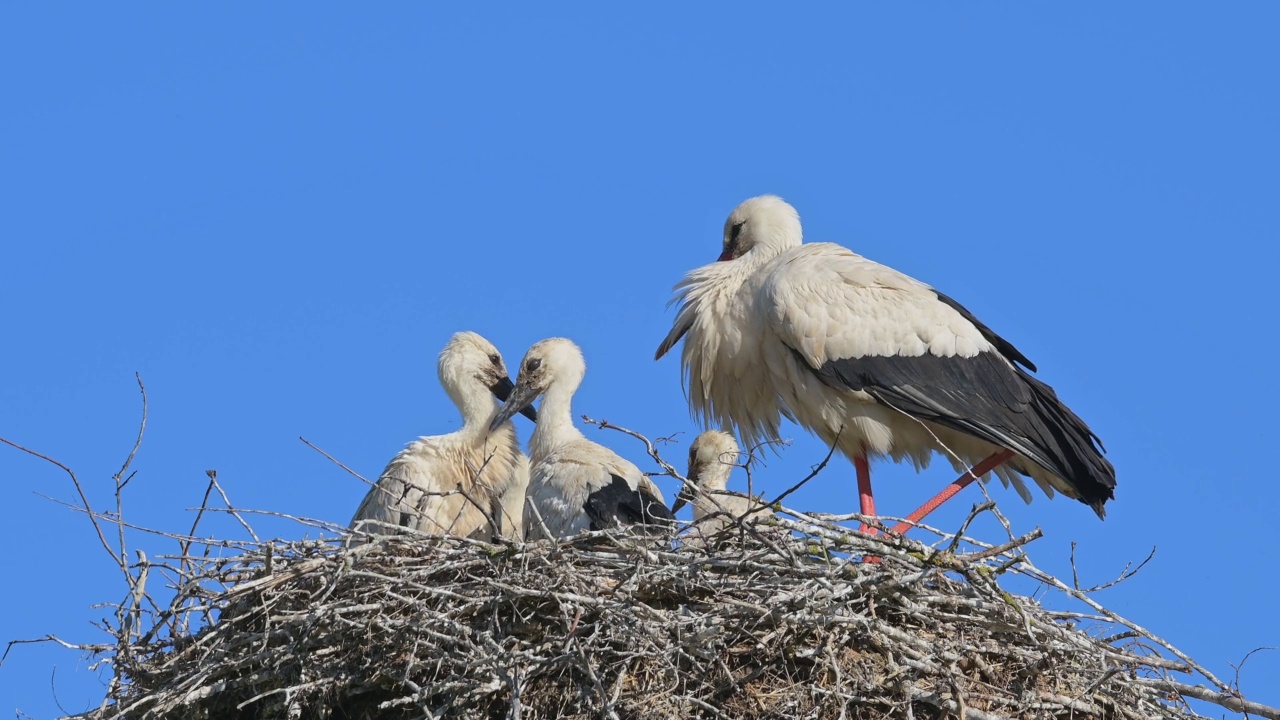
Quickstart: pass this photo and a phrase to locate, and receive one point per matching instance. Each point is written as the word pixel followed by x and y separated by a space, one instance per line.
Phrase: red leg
pixel 992 462
pixel 867 503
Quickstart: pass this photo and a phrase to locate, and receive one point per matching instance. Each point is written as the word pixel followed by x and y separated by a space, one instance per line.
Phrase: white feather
pixel 566 468
pixel 455 483
pixel 744 321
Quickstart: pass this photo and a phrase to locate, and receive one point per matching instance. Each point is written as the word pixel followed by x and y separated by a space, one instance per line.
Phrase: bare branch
pixel 335 461
pixel 213 480
pixel 812 474
pixel 84 500
pixel 649 447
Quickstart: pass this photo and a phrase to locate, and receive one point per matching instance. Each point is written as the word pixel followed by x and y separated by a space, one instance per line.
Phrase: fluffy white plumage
pixel 453 484
pixel 712 457
pixel 778 328
pixel 575 484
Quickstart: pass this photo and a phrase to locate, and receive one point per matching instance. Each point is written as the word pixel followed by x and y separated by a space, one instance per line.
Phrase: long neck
pixel 716 478
pixel 478 406
pixel 555 422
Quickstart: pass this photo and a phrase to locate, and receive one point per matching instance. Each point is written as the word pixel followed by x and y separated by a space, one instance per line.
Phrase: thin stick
pixel 93 518
pixel 648 445
pixel 185 545
pixel 213 479
pixel 813 474
pixel 335 461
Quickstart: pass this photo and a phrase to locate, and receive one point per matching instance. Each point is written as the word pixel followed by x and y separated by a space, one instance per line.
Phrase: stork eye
pixel 533 364
pixel 496 359
pixel 735 231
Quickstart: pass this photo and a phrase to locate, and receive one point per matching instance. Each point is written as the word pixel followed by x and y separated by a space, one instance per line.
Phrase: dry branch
pixel 614 626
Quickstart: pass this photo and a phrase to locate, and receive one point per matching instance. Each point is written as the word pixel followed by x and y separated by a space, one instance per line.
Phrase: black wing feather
pixel 1005 347
pixel 618 504
pixel 986 397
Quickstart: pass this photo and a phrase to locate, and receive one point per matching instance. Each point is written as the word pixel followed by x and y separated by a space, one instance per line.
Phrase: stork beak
pixel 687 490
pixel 502 390
pixel 725 256
pixel 684 497
pixel 518 401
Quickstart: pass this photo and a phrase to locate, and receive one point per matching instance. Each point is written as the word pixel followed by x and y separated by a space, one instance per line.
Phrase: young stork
pixel 871 360
pixel 712 457
pixel 468 481
pixel 575 484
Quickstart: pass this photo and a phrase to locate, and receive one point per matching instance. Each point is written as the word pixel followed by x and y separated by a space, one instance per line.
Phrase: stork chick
pixel 470 482
pixel 575 484
pixel 712 457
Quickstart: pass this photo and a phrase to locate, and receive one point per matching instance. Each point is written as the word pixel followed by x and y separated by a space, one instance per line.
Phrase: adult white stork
pixel 712 457
pixel 575 484
pixel 873 361
pixel 464 483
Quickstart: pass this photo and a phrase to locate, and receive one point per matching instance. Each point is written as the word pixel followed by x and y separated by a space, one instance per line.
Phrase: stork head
pixel 766 222
pixel 712 456
pixel 550 362
pixel 471 367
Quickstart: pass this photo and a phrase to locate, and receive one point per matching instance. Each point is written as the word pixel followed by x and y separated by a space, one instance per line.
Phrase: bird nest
pixel 615 626
pixel 803 618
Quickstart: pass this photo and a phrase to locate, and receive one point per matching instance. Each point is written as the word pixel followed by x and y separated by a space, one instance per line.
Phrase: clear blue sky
pixel 278 213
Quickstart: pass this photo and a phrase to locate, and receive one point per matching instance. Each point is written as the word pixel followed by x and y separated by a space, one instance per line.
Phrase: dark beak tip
pixel 502 388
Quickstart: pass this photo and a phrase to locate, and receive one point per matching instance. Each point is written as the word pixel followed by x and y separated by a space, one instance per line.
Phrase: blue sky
pixel 278 214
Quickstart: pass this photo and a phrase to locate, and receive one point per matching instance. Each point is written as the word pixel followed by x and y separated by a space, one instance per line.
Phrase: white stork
pixel 468 481
pixel 575 484
pixel 873 361
pixel 712 457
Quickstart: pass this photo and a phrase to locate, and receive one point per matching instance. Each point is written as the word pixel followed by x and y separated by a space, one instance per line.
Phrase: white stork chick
pixel 712 457
pixel 871 360
pixel 467 481
pixel 575 484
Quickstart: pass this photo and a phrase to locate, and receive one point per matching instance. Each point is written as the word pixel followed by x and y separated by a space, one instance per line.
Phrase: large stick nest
pixel 782 621
pixel 609 625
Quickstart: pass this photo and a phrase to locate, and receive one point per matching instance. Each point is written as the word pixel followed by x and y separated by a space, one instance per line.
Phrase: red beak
pixel 726 255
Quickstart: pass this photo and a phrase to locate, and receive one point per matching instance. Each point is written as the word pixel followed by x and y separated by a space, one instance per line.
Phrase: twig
pixel 1226 699
pixel 121 480
pixel 1038 574
pixel 93 518
pixel 213 480
pixel 335 461
pixel 667 468
pixel 185 545
pixel 812 474
pixel 1125 574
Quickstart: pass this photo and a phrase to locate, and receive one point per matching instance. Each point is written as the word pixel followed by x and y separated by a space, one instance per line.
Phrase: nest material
pixel 609 626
